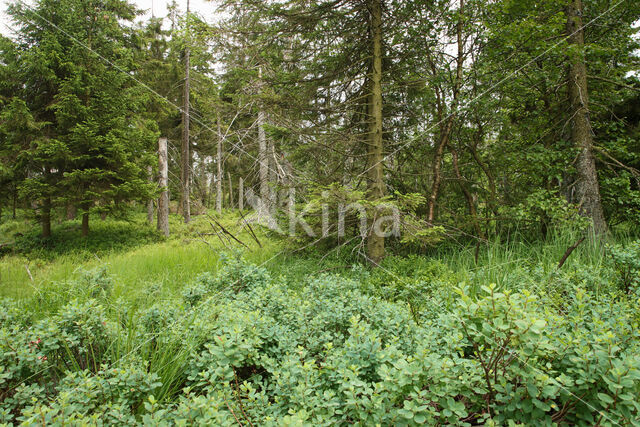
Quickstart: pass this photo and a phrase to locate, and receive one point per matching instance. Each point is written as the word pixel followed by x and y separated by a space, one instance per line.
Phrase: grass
pixel 137 257
pixel 141 294
pixel 132 252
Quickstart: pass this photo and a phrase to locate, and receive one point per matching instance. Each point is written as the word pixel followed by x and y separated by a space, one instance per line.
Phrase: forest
pixel 320 212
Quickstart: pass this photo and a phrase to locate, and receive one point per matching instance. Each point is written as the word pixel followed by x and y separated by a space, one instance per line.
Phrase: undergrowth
pixel 410 343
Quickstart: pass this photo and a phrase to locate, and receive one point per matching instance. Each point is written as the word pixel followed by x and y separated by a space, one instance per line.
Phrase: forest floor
pixel 136 256
pixel 210 330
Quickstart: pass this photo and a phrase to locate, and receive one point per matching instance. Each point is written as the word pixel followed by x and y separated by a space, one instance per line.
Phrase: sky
pixel 204 8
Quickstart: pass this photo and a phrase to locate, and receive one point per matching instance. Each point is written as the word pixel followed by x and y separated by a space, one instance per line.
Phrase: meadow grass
pixel 137 257
pixel 134 262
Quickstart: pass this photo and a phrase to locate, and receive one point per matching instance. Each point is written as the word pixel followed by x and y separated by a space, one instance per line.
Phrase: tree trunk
pixel 85 219
pixel 186 154
pixel 445 132
pixel 150 201
pixel 447 126
pixel 241 194
pixel 15 202
pixel 473 213
pixel 163 200
pixel 219 166
pixel 85 224
pixel 587 187
pixel 375 171
pixel 46 218
pixel 263 158
pixel 273 178
pixel 230 189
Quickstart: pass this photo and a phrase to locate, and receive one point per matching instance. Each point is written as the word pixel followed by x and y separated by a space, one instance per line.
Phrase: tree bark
pixel 273 178
pixel 46 218
pixel 219 166
pixel 241 194
pixel 150 201
pixel 587 187
pixel 163 200
pixel 375 171
pixel 186 155
pixel 85 219
pixel 263 158
pixel 230 190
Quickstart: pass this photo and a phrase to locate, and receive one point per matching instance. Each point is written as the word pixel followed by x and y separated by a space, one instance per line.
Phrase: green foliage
pixel 626 260
pixel 548 209
pixel 401 345
pixel 106 237
pixel 337 213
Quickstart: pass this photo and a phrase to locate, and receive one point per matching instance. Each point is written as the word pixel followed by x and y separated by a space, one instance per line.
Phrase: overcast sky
pixel 159 8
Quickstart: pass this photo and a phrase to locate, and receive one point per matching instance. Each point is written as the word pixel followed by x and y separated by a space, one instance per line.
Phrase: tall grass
pixel 135 265
pixel 138 259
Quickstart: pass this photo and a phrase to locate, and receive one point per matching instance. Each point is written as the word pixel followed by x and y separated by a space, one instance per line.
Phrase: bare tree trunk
pixel 186 154
pixel 241 194
pixel 230 189
pixel 273 178
pixel 150 201
pixel 219 165
pixel 587 187
pixel 375 171
pixel 263 158
pixel 163 200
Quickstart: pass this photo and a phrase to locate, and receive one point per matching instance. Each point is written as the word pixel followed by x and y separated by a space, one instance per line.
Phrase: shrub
pixel 333 351
pixel 626 261
pixel 112 396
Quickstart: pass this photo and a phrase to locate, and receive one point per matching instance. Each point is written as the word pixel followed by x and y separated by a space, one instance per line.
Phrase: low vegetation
pixel 310 338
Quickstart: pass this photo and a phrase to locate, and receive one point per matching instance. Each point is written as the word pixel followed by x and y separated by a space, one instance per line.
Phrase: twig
pixel 231 410
pixel 613 82
pixel 250 229
pixel 26 267
pixel 635 172
pixel 227 232
pixel 207 243
pixel 568 252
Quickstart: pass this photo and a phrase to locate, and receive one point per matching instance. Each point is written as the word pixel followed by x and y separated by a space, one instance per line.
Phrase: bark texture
pixel 263 159
pixel 150 201
pixel 219 166
pixel 375 172
pixel 186 152
pixel 587 186
pixel 163 200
